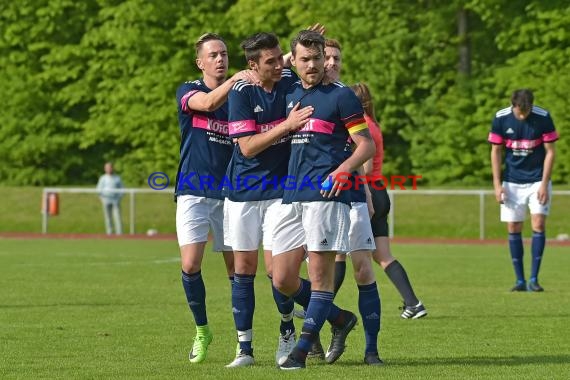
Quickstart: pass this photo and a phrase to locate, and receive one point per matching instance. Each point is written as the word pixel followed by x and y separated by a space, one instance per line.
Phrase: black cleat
pixel 317 351
pixel 372 358
pixel 519 287
pixel 413 312
pixel 534 287
pixel 338 340
pixel 292 363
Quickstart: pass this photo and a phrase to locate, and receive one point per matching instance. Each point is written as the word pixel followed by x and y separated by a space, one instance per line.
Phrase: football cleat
pixel 242 359
pixel 534 287
pixel 299 313
pixel 292 363
pixel 200 347
pixel 286 344
pixel 317 351
pixel 413 312
pixel 338 339
pixel 372 358
pixel 519 287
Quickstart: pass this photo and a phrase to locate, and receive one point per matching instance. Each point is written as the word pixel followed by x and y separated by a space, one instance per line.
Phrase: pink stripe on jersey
pixel 495 138
pixel 242 126
pixel 356 115
pixel 184 100
pixel 218 126
pixel 550 136
pixel 261 128
pixel 523 144
pixel 319 126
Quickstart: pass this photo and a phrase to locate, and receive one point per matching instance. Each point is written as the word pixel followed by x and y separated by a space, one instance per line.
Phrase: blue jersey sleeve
pixel 349 106
pixel 241 112
pixel 549 133
pixel 288 77
pixel 496 136
pixel 184 92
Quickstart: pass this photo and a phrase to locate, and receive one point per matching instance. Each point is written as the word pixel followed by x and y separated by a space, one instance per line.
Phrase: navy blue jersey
pixel 524 141
pixel 321 146
pixel 252 110
pixel 357 192
pixel 205 147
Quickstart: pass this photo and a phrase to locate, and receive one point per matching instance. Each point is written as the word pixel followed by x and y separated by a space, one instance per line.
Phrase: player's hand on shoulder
pixel 249 76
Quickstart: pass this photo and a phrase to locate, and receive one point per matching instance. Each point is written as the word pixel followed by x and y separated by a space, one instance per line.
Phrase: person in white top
pixel 111 199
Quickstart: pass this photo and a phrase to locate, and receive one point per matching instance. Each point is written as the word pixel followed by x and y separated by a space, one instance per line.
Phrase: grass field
pixel 415 215
pixel 99 309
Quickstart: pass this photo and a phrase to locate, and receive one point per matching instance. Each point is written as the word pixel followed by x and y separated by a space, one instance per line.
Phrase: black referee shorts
pixel 381 203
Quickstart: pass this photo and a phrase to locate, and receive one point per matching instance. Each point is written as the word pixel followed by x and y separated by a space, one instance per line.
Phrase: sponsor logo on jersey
pixel 239 126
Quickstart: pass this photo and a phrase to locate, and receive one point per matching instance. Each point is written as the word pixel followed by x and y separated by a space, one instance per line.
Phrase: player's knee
pixel 283 283
pixel 190 267
pixel 363 273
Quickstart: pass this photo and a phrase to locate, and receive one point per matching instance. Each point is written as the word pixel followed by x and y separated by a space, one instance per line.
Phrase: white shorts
pixel 321 226
pixel 518 197
pixel 360 237
pixel 247 224
pixel 196 216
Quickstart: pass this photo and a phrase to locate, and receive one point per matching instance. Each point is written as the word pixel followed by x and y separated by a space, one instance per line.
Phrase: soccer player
pixel 528 134
pixel 205 151
pixel 311 217
pixel 361 240
pixel 413 308
pixel 258 122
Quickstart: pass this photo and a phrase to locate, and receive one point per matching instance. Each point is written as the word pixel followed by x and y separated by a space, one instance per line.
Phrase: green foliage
pixel 91 81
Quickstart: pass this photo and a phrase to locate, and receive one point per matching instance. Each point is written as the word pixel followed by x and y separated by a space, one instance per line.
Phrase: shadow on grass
pixel 476 361
pixel 56 305
pixel 498 315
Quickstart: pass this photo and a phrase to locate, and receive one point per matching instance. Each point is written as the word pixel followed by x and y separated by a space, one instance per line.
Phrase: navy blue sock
pixel 243 305
pixel 285 305
pixel 335 317
pixel 303 295
pixel 517 251
pixel 318 309
pixel 232 281
pixel 196 296
pixel 339 273
pixel 369 307
pixel 537 249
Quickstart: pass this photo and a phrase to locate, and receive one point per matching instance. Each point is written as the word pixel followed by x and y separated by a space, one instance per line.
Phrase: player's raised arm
pixel 211 101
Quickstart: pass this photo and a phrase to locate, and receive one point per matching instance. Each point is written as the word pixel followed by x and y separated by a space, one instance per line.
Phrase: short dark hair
pixel 252 46
pixel 523 99
pixel 308 39
pixel 205 38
